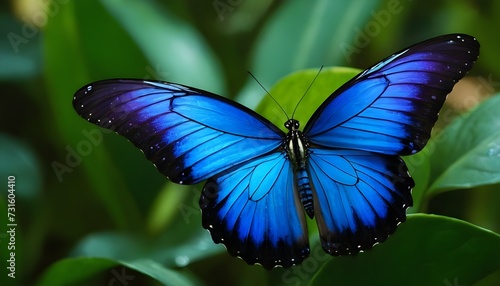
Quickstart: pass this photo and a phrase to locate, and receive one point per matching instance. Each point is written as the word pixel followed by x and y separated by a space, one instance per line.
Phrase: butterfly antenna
pixel 277 103
pixel 295 109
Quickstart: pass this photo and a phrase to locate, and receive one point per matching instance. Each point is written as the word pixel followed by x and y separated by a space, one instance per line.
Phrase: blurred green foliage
pixel 90 210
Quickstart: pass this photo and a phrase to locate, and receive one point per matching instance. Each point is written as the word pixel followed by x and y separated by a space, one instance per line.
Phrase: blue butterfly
pixel 343 169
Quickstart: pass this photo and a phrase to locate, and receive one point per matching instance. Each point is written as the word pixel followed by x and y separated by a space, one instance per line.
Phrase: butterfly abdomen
pixel 305 192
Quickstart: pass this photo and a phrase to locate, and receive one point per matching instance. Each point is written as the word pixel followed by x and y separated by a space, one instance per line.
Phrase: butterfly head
pixel 292 124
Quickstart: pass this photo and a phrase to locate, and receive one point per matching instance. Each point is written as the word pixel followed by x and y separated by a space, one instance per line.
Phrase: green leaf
pixel 419 168
pixel 426 250
pixel 291 88
pixel 467 153
pixel 74 270
pixel 170 201
pixel 177 247
pixel 160 273
pixel 169 44
pixel 320 35
pixel 69 38
pixel 77 271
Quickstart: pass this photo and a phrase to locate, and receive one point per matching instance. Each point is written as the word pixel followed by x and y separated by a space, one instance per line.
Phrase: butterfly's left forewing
pixel 189 134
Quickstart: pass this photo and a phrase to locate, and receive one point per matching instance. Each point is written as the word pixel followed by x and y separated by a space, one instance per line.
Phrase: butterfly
pixel 343 168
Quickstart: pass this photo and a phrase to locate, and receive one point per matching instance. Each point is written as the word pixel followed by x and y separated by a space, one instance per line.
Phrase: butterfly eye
pixel 287 124
pixel 296 124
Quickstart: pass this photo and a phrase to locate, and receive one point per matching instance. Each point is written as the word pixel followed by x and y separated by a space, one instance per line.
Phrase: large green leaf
pixel 70 36
pixel 70 271
pixel 172 200
pixel 467 153
pixel 419 168
pixel 291 88
pixel 77 271
pixel 426 250
pixel 169 44
pixel 182 243
pixel 303 34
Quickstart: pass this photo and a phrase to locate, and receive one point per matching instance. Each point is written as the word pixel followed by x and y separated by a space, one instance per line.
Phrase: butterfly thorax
pixel 296 148
pixel 296 144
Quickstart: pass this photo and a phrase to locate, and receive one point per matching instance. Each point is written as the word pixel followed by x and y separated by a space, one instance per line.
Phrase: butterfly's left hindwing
pixel 189 134
pixel 360 204
pixel 255 211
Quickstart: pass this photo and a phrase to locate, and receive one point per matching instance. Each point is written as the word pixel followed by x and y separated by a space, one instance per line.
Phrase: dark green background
pixel 91 210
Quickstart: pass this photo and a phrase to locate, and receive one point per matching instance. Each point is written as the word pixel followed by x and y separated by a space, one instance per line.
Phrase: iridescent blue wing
pixel 391 107
pixel 249 202
pixel 255 211
pixel 361 188
pixel 359 197
pixel 189 134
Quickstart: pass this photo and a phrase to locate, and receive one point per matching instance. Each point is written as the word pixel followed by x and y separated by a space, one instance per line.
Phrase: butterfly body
pixel 343 169
pixel 296 147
